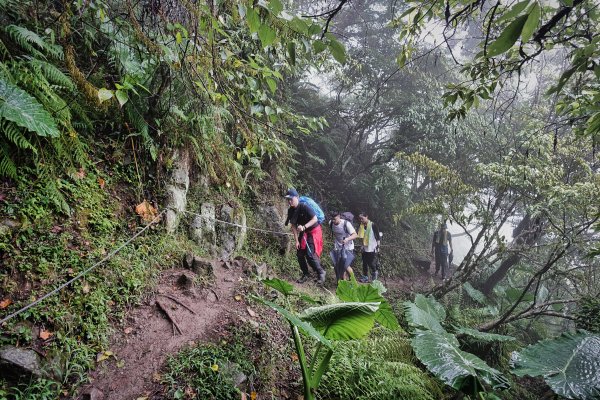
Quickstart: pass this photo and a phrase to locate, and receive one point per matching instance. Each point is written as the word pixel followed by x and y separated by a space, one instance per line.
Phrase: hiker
pixel 441 240
pixel 308 234
pixel 344 234
pixel 369 233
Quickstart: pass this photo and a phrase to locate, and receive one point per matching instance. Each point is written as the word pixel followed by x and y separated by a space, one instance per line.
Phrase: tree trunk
pixel 525 234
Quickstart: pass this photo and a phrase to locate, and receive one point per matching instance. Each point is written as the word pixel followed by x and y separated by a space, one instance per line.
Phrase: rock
pixel 274 220
pixel 234 371
pixel 92 394
pixel 176 190
pixel 231 238
pixel 421 262
pixel 261 270
pixel 186 280
pixel 202 228
pixel 198 265
pixel 17 363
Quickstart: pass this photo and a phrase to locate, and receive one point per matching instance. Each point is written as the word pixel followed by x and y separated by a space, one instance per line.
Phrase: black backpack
pixel 348 218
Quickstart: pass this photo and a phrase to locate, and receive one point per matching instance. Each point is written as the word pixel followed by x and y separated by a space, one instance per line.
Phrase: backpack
pixel 315 207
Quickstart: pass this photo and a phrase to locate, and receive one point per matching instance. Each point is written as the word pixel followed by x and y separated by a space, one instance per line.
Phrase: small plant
pixel 352 319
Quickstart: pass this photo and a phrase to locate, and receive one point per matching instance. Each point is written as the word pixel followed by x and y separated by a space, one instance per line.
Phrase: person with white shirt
pixel 342 254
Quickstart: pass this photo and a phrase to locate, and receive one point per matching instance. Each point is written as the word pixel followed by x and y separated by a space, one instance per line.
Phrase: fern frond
pixel 26 39
pixel 15 136
pixel 53 74
pixel 7 165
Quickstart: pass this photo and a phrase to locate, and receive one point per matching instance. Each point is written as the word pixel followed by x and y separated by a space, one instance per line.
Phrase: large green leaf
pixel 570 364
pixel 342 320
pixel 508 37
pixel 350 291
pixel 305 327
pixel 432 306
pixel 439 351
pixel 266 35
pixel 421 319
pixel 18 106
pixel 281 286
pixel 474 293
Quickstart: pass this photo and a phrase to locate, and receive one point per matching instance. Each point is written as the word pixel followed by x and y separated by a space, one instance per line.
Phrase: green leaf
pixel 24 110
pixel 253 19
pixel 338 51
pixel 420 319
pixel 342 320
pixel 292 52
pixel 319 46
pixel 266 35
pixel 474 293
pixel 568 3
pixel 275 6
pixel 513 12
pixel 593 124
pixel 570 364
pixel 432 306
pixel 280 285
pixel 122 97
pixel 105 94
pixel 441 355
pixel 532 22
pixel 483 336
pixel 513 295
pixel 305 327
pixel 508 37
pixel 299 25
pixel 272 84
pixel 353 292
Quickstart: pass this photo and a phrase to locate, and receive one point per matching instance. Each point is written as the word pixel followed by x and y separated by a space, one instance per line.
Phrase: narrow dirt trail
pixel 140 349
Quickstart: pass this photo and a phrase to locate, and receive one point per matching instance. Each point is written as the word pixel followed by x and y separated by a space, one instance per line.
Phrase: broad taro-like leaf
pixel 281 286
pixel 351 291
pixel 305 327
pixel 342 320
pixel 439 351
pixel 474 293
pixel 20 107
pixel 425 313
pixel 483 336
pixel 570 364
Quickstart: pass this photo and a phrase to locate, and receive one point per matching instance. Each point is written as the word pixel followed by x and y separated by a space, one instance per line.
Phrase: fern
pixel 33 43
pixel 7 166
pixel 15 136
pixel 53 74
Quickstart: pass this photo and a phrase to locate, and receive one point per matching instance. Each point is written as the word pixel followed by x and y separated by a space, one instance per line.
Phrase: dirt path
pixel 149 337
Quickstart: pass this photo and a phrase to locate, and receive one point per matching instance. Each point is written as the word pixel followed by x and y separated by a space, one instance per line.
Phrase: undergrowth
pixel 44 249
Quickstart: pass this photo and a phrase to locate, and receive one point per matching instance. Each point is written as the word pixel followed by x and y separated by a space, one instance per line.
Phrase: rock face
pixel 274 218
pixel 17 363
pixel 177 189
pixel 198 265
pixel 202 227
pixel 231 237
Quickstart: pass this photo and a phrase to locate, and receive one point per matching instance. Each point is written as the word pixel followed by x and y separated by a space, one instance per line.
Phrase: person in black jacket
pixel 442 239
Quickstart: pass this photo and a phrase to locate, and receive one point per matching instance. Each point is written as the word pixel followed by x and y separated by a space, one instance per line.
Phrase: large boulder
pixel 177 188
pixel 274 218
pixel 231 233
pixel 19 364
pixel 202 227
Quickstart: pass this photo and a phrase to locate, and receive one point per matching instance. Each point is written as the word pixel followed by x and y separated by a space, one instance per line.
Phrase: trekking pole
pixel 306 243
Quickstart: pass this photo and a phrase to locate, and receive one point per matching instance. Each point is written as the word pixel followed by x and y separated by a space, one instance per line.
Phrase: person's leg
pixel 348 272
pixel 301 256
pixel 444 263
pixel 438 261
pixel 313 259
pixel 368 260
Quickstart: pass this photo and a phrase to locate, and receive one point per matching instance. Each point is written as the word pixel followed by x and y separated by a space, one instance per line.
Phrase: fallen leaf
pixel 146 211
pixel 105 355
pixel 120 364
pixel 156 377
pixel 214 367
pixel 253 395
pixel 101 182
pixel 81 173
pixel 45 335
pixel 5 303
pixel 85 288
pixel 252 313
pixel 294 357
pixel 237 297
pixel 128 330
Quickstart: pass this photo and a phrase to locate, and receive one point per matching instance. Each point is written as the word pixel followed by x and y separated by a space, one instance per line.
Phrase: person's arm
pixel 310 223
pixel 353 234
pixel 295 233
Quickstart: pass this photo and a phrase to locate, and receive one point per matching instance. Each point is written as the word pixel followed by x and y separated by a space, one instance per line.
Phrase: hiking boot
pixel 303 278
pixel 321 279
pixel 363 279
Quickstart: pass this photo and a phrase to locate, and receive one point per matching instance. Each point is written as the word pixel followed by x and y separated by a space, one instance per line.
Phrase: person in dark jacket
pixel 442 240
pixel 308 235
